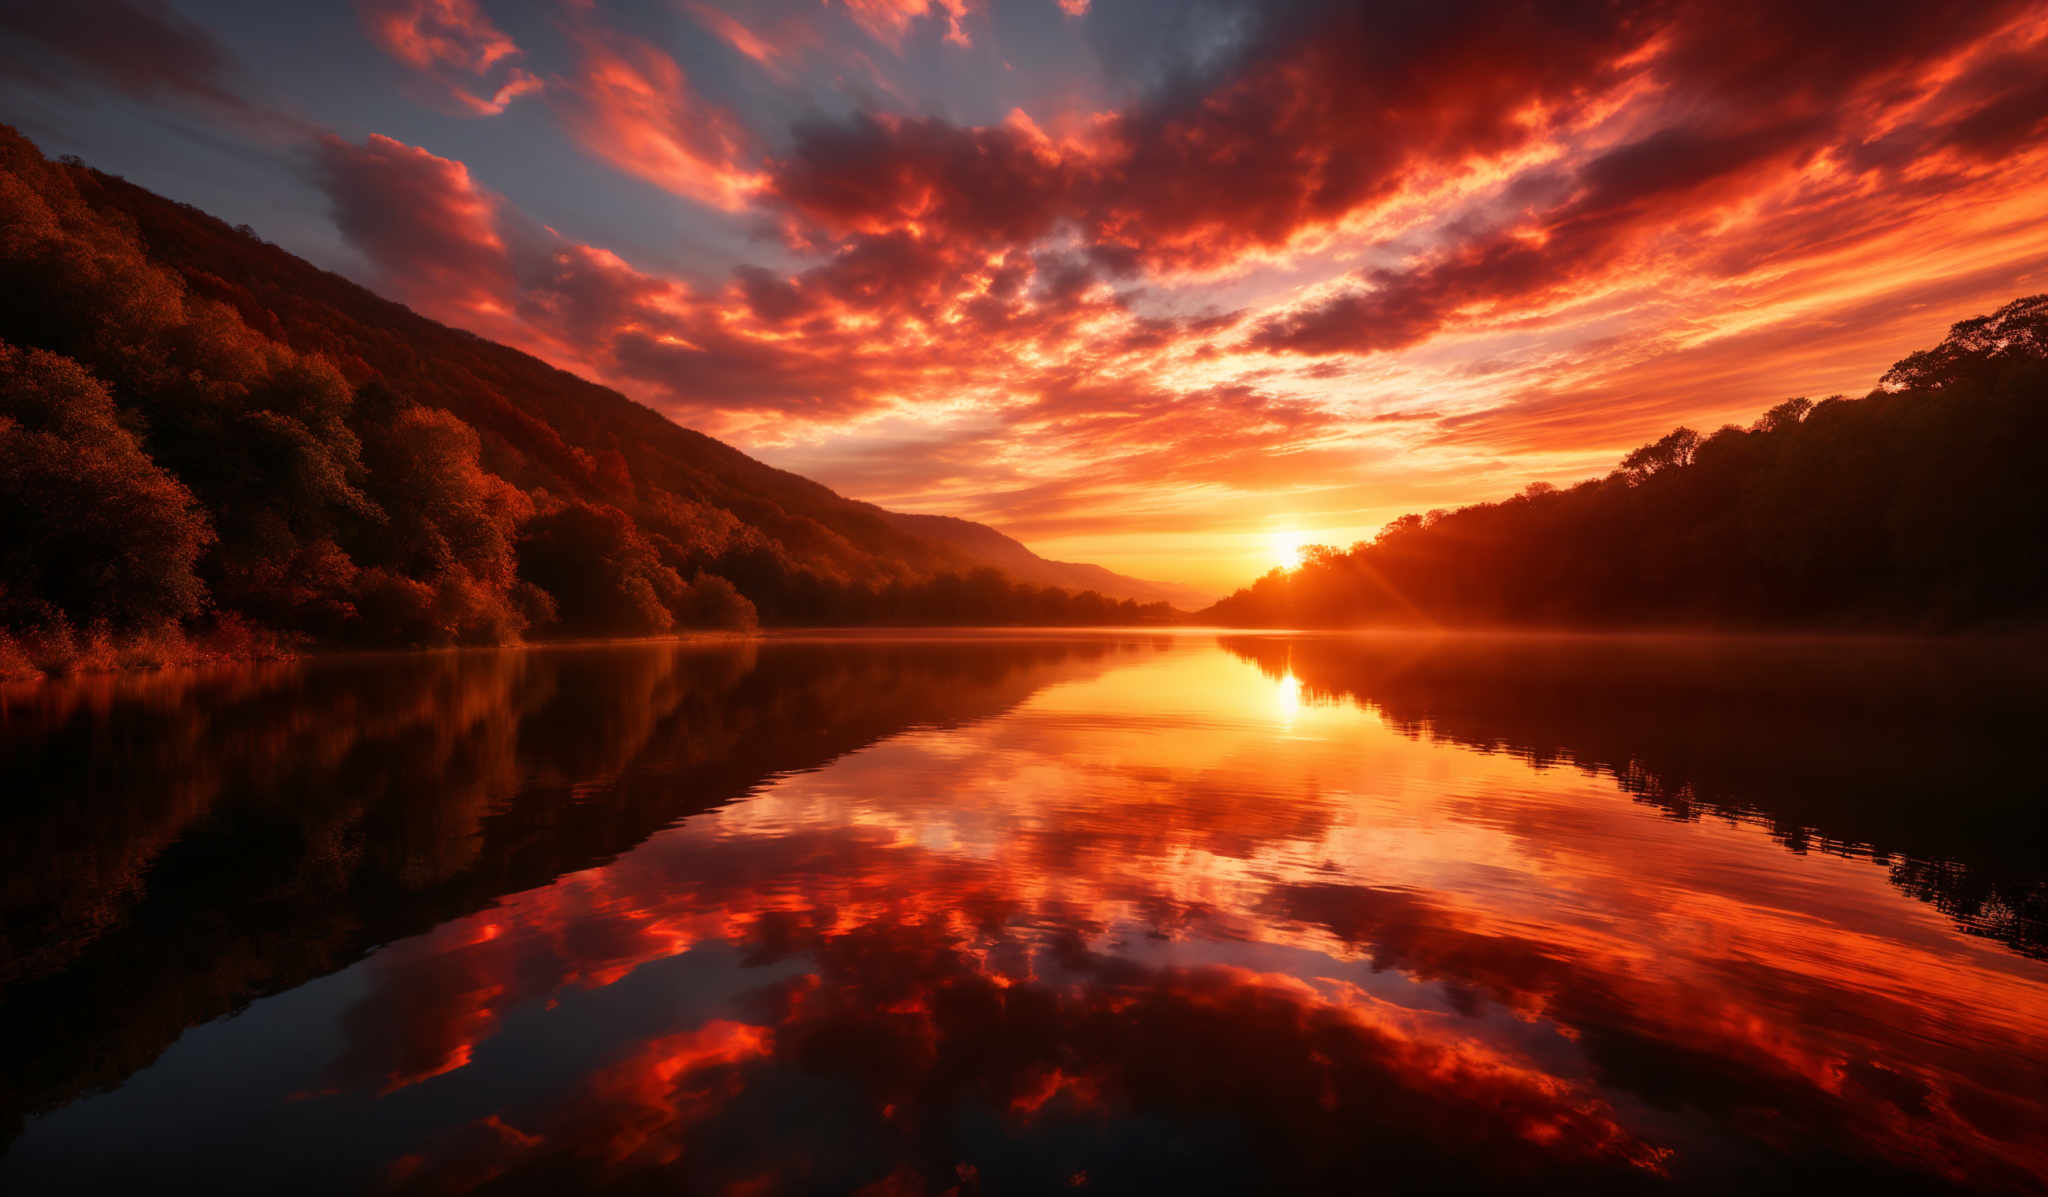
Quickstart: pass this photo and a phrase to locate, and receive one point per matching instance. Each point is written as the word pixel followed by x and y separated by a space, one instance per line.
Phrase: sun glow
pixel 1287 548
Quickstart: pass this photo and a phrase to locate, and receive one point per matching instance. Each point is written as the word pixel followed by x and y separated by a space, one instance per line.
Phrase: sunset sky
pixel 1170 286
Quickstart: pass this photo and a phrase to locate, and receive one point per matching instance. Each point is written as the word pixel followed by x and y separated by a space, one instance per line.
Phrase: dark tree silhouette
pixel 1920 506
pixel 2016 332
pixel 605 576
pixel 91 530
pixel 1674 451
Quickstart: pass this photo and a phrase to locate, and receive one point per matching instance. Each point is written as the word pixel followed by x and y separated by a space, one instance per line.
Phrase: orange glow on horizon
pixel 1104 322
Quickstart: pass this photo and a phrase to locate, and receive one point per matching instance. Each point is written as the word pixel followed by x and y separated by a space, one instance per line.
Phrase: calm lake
pixel 1101 911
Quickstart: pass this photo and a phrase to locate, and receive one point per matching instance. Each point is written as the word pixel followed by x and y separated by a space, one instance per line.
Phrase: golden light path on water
pixel 1196 886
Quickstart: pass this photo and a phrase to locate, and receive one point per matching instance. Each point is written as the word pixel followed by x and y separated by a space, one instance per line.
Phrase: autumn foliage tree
pixel 163 462
pixel 607 578
pixel 448 524
pixel 301 456
pixel 91 530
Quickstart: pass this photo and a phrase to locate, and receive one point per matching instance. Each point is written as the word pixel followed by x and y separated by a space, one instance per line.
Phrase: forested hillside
pixel 1922 505
pixel 203 436
pixel 208 446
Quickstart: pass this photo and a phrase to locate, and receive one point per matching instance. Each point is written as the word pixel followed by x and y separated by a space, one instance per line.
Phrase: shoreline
pixel 2029 638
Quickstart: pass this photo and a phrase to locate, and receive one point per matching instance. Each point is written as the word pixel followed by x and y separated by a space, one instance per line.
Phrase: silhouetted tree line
pixel 978 597
pixel 203 436
pixel 1920 505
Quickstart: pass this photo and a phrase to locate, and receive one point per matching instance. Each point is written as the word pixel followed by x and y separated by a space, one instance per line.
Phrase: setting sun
pixel 1288 546
pixel 941 595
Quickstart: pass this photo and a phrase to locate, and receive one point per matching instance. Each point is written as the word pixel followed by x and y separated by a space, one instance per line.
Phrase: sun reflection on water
pixel 1287 697
pixel 1025 887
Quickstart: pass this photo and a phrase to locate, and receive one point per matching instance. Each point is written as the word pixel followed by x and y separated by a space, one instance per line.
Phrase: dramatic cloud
pixel 631 105
pixel 470 62
pixel 1785 121
pixel 419 219
pixel 1134 283
pixel 735 34
pixel 1325 116
pixel 994 186
pixel 889 20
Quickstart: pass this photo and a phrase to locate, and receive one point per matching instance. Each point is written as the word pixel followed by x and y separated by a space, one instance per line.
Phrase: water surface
pixel 1108 911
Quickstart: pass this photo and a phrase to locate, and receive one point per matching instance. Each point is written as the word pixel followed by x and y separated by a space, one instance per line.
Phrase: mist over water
pixel 1112 911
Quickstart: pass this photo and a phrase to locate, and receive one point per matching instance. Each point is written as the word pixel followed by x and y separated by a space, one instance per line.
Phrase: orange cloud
pixel 888 20
pixel 631 105
pixel 736 35
pixel 455 46
pixel 420 219
pixel 1193 315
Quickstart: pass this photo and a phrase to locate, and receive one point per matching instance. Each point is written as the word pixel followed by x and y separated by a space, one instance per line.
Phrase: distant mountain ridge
pixel 991 547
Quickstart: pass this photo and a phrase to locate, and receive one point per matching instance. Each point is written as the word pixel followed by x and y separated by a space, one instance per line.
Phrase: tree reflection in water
pixel 1110 911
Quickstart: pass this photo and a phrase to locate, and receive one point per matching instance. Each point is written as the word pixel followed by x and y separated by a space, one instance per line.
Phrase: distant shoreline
pixel 2029 639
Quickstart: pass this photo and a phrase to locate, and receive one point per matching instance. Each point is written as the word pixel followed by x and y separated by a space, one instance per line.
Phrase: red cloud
pixel 762 50
pixel 1558 180
pixel 887 319
pixel 1804 104
pixel 631 105
pixel 889 20
pixel 420 220
pixel 1324 118
pixel 874 174
pixel 453 44
pixel 1622 195
pixel 1313 123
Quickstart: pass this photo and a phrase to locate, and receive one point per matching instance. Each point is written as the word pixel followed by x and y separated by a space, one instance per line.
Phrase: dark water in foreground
pixel 1115 911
